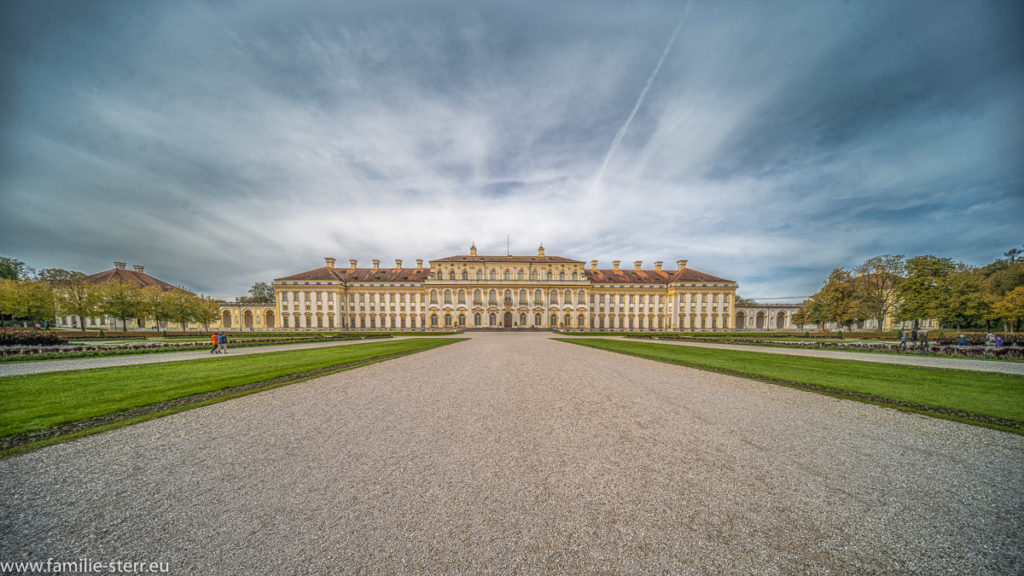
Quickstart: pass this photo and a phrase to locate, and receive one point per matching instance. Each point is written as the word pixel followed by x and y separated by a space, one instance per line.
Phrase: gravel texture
pixel 516 454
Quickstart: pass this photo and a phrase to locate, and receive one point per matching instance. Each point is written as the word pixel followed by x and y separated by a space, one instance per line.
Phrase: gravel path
pixel 909 360
pixel 516 454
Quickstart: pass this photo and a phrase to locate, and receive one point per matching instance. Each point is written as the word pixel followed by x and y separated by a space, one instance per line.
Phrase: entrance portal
pixel 508 319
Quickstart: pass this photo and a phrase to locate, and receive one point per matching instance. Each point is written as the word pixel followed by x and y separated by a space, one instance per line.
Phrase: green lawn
pixel 990 399
pixel 41 401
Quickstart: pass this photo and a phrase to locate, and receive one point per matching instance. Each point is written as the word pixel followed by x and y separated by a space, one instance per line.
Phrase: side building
pixel 505 292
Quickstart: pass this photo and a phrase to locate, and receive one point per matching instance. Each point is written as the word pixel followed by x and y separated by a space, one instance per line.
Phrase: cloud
pixel 226 144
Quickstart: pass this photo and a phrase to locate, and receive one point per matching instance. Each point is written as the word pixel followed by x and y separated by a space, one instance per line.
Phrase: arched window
pixel 581 297
pixel 492 298
pixel 462 319
pixel 561 275
pixel 533 274
pixel 580 321
pixel 536 319
pixel 538 298
pixel 362 322
pixel 462 296
pixel 575 275
pixel 451 275
pixel 508 297
pixel 549 275
pixel 522 319
pixel 479 274
pixel 476 319
pixel 554 297
pixel 433 297
pixel 477 298
pixel 568 321
pixel 554 320
pixel 493 319
pixel 494 274
pixel 508 274
pixel 568 297
pixel 522 298
pixel 447 296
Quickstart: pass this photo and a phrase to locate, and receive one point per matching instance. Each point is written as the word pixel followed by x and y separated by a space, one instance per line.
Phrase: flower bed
pixel 942 349
pixel 17 353
pixel 23 337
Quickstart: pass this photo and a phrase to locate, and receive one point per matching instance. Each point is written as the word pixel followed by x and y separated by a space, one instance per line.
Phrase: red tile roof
pixel 140 279
pixel 360 275
pixel 651 276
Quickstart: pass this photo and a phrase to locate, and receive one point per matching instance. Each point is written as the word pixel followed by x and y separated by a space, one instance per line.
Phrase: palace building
pixel 505 292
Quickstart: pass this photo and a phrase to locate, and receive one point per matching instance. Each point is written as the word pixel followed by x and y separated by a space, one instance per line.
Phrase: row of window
pixel 505 275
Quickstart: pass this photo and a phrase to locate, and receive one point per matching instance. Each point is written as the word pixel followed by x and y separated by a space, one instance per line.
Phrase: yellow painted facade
pixel 504 292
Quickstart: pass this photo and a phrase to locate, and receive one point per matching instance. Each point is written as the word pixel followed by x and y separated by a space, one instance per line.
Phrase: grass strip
pixel 982 398
pixel 39 409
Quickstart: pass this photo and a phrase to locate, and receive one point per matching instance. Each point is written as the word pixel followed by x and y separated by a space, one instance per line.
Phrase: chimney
pixel 593 264
pixel 376 264
pixel 330 262
pixel 681 263
pixel 615 264
pixel 419 263
pixel 540 251
pixel 137 267
pixel 398 264
pixel 353 263
pixel 472 249
pixel 119 265
pixel 657 265
pixel 638 265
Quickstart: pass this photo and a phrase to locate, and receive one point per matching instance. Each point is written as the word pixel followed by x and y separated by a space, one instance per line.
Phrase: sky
pixel 225 143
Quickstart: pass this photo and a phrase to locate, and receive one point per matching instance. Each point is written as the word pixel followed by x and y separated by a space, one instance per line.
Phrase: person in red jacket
pixel 213 340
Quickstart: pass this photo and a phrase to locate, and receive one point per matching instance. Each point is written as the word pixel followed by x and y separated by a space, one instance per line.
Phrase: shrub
pixel 20 337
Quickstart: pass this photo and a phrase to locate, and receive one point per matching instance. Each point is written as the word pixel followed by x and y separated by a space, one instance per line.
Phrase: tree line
pixel 27 296
pixel 924 287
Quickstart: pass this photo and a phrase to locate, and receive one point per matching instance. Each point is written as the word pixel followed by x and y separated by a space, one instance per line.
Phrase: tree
pixel 205 310
pixel 926 290
pixel 27 300
pixel 1010 308
pixel 180 305
pixel 836 301
pixel 74 296
pixel 261 293
pixel 8 299
pixel 12 269
pixel 155 304
pixel 741 301
pixel 967 302
pixel 878 284
pixel 1013 254
pixel 800 316
pixel 122 301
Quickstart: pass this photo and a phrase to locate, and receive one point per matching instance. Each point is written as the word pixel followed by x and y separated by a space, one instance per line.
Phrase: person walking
pixel 924 340
pixel 961 341
pixel 216 344
pixel 903 340
pixel 222 339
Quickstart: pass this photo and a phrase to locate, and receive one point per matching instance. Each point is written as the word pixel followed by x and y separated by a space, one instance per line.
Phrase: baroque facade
pixel 504 292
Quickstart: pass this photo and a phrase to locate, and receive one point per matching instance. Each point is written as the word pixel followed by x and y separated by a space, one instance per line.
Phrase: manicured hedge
pixel 22 337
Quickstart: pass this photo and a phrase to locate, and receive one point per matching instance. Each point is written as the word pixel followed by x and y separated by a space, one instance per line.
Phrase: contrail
pixel 639 101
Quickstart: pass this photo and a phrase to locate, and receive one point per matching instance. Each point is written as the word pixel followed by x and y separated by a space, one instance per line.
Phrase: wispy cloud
pixel 225 144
